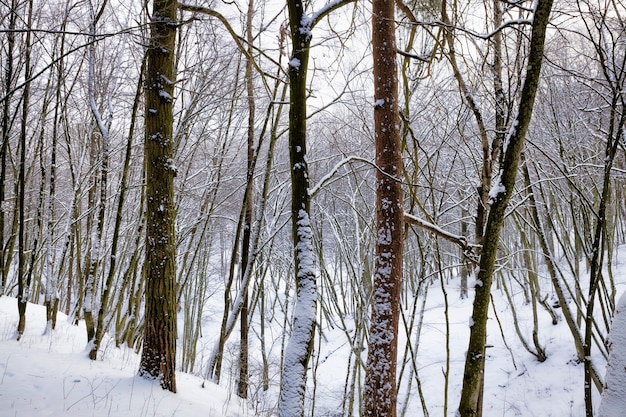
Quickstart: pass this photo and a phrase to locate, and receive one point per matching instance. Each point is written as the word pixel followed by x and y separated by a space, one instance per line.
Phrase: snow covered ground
pixel 50 375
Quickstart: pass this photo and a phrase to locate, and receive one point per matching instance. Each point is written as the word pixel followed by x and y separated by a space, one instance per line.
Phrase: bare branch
pixel 238 39
pixel 467 247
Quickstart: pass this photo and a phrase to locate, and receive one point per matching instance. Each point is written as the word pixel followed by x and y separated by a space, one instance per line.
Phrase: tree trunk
pixel 4 147
pixel 613 401
pixel 300 345
pixel 52 292
pixel 158 359
pixel 104 127
pixel 23 282
pixel 242 385
pixel 380 392
pixel 500 195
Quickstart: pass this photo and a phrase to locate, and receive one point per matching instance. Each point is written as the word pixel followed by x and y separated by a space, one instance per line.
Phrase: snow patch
pixel 498 190
pixel 613 402
pixel 294 63
pixel 165 95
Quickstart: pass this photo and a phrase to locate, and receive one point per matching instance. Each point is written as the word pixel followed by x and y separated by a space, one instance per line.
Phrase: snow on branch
pixel 485 36
pixel 326 178
pixel 239 41
pixel 467 247
pixel 312 20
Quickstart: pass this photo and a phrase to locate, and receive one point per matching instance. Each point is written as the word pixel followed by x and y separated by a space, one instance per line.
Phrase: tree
pixel 611 60
pixel 500 195
pixel 300 346
pixel 242 385
pixel 95 329
pixel 380 376
pixel 158 359
pixel 4 146
pixel 23 281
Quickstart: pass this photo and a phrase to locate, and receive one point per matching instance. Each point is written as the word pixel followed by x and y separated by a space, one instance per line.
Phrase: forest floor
pixel 50 374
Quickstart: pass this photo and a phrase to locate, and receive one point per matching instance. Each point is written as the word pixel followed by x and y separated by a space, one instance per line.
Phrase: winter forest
pixel 322 208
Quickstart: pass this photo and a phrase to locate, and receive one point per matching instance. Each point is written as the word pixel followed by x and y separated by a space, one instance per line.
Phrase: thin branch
pixel 485 36
pixel 238 39
pixel 57 60
pixel 468 248
pixel 327 9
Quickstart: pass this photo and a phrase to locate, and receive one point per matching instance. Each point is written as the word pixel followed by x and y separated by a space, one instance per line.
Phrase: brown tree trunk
pixel 380 378
pixel 158 359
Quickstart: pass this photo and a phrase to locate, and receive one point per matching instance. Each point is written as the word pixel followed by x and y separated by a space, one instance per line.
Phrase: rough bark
pixel 379 394
pixel 158 359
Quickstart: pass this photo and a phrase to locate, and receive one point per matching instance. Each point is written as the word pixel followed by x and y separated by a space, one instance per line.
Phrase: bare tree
pixel 500 195
pixel 242 385
pixel 23 280
pixel 4 146
pixel 380 379
pixel 158 358
pixel 300 346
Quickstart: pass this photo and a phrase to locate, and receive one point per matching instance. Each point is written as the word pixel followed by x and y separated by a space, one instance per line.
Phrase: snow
pixel 50 375
pixel 165 95
pixel 304 248
pixel 304 319
pixel 497 190
pixel 613 397
pixel 512 131
pixel 294 63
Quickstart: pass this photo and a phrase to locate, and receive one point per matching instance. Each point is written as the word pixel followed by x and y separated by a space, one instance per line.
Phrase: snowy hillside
pixel 50 375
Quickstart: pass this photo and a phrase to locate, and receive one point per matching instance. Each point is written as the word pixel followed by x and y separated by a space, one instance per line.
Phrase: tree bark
pixel 23 282
pixel 4 147
pixel 473 378
pixel 52 292
pixel 300 345
pixel 158 359
pixel 379 393
pixel 242 385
